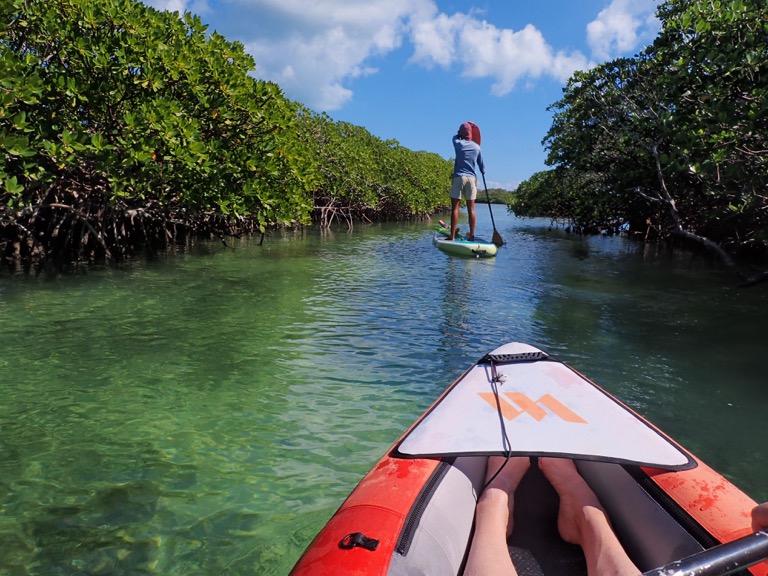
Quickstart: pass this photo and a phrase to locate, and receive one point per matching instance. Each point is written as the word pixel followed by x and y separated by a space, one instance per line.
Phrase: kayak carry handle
pixel 512 358
pixel 719 560
pixel 358 539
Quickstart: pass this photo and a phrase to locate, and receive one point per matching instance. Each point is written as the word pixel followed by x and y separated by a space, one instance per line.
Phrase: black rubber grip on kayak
pixel 358 539
pixel 513 358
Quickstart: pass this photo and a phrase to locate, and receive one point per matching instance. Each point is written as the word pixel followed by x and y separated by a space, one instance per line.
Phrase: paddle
pixel 723 559
pixel 497 239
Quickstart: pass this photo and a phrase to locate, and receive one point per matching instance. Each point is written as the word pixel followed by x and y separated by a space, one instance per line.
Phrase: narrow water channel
pixel 205 413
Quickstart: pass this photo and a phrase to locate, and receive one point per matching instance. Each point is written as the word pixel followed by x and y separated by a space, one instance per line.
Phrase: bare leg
pixel 472 219
pixel 455 204
pixel 488 553
pixel 583 521
pixel 760 517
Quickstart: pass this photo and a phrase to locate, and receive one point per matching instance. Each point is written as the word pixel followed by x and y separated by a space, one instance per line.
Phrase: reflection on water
pixel 206 413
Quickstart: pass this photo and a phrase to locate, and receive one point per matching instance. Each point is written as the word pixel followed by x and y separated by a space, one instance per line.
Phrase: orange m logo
pixel 525 404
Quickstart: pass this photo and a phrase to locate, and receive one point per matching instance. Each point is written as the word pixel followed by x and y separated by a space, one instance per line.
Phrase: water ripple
pixel 206 413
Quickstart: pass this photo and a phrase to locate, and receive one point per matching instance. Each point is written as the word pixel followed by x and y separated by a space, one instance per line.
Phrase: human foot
pixel 506 481
pixel 578 503
pixel 583 521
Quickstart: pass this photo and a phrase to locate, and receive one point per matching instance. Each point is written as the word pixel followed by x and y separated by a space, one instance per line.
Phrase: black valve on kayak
pixel 358 539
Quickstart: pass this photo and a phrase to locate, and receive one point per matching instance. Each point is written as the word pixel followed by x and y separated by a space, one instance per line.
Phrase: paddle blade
pixel 497 239
pixel 475 133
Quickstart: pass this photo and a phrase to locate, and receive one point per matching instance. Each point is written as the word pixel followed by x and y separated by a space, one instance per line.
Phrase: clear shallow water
pixel 206 413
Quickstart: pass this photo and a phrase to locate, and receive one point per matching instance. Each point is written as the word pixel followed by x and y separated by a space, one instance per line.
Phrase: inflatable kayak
pixel 413 512
pixel 476 248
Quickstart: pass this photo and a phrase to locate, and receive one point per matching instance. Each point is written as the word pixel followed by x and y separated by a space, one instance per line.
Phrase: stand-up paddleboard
pixel 413 513
pixel 477 248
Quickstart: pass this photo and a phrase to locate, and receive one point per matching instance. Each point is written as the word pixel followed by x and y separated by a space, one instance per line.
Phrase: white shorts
pixel 466 185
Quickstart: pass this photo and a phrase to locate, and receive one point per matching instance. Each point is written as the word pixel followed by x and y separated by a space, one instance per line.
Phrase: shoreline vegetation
pixel 672 144
pixel 126 130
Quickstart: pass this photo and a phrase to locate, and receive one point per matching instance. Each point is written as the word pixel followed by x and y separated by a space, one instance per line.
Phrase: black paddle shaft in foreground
pixel 723 559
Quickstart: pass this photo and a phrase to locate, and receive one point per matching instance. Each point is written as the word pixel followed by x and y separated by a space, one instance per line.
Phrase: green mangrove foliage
pixel 125 128
pixel 591 206
pixel 122 126
pixel 671 143
pixel 365 178
pixel 496 195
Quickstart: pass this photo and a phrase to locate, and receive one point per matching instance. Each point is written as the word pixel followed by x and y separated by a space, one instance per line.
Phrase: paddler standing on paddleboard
pixel 464 179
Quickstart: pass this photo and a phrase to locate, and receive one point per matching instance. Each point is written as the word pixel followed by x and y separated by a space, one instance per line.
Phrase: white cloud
pixel 312 49
pixel 508 56
pixel 433 41
pixel 328 42
pixel 623 26
pixel 481 50
pixel 199 7
pixel 170 5
pixel 510 186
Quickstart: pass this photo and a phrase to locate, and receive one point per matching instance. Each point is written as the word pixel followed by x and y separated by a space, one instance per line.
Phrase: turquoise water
pixel 205 413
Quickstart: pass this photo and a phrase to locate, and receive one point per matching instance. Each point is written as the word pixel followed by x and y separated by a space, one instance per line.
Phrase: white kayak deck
pixel 519 401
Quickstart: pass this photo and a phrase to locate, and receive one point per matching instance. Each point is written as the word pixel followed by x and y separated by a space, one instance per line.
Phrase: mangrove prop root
pixel 63 229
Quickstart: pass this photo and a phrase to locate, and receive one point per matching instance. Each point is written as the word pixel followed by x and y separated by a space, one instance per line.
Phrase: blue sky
pixel 414 70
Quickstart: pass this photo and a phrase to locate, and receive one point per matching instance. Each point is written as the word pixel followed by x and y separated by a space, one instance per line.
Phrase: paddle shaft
pixel 488 198
pixel 723 559
pixel 497 239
